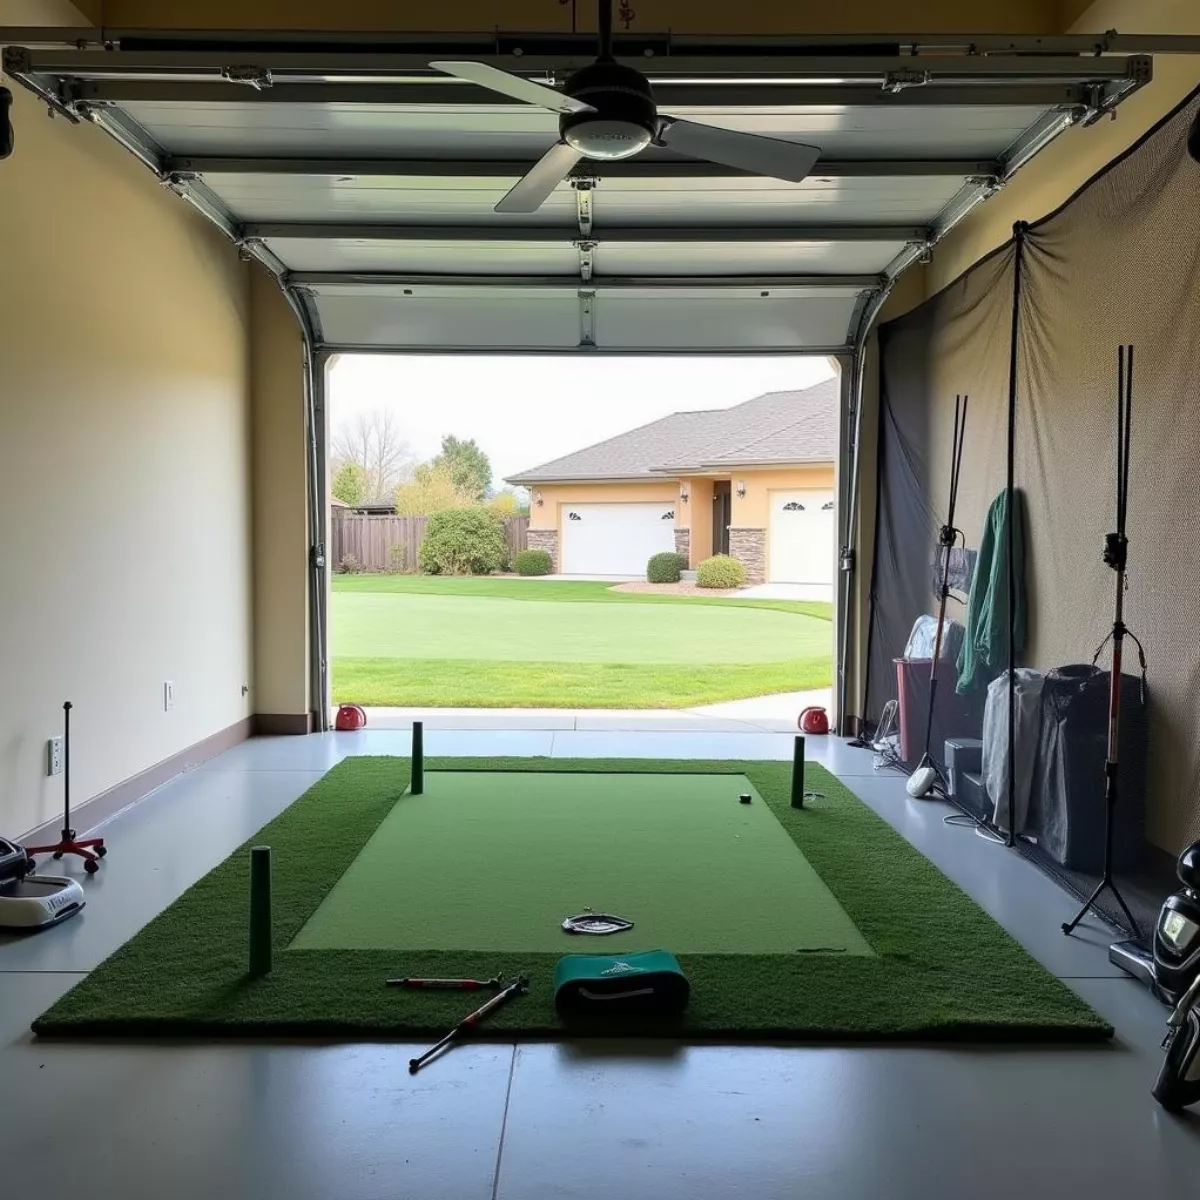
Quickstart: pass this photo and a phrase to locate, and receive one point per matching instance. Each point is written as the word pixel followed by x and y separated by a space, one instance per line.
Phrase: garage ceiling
pixel 365 180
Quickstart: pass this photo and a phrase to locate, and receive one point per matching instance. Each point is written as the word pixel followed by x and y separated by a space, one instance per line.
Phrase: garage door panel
pixel 614 539
pixel 445 258
pixel 432 317
pixel 741 319
pixel 613 257
pixel 736 200
pixel 418 200
pixel 802 537
pixel 617 202
pixel 520 130
pixel 382 130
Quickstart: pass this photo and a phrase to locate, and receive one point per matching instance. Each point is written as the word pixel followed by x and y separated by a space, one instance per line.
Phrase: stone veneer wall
pixel 544 539
pixel 683 543
pixel 749 547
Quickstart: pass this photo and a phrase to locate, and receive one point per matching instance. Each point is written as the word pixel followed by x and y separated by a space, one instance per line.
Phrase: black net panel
pixel 1119 263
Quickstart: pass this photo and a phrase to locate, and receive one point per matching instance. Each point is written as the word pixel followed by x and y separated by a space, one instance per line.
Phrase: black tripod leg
pixel 1090 902
pixel 1133 925
pixel 1069 926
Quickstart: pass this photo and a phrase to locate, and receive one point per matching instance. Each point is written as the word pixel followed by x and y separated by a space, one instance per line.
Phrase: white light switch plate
pixel 168 696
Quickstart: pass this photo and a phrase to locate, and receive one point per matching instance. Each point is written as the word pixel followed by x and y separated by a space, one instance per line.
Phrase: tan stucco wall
pixel 124 463
pixel 753 510
pixel 697 517
pixel 280 499
pixel 557 495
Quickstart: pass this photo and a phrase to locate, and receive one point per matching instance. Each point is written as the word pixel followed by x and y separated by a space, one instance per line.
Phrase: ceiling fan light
pixel 607 138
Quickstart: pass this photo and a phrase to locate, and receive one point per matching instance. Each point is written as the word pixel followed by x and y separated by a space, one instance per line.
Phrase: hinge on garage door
pixel 178 181
pixel 897 81
pixel 587 317
pixel 316 556
pixel 256 77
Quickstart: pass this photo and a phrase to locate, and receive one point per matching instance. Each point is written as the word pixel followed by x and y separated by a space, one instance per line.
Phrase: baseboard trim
pixel 282 724
pixel 103 807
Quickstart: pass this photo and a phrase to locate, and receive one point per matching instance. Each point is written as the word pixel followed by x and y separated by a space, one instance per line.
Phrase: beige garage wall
pixel 124 465
pixel 281 646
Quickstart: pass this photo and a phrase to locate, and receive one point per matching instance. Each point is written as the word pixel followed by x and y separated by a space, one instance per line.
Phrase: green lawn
pixel 467 642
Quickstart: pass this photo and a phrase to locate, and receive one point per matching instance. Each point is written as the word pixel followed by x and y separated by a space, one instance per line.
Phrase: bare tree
pixel 374 441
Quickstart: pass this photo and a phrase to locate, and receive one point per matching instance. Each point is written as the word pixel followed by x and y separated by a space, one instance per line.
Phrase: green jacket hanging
pixel 984 652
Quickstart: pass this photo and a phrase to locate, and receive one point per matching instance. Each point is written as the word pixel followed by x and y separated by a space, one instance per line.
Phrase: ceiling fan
pixel 607 111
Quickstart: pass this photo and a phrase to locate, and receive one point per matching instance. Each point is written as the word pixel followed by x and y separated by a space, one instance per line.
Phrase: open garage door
pixel 614 539
pixel 366 181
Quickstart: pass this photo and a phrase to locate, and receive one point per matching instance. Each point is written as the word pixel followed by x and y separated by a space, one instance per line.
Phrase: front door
pixel 722 515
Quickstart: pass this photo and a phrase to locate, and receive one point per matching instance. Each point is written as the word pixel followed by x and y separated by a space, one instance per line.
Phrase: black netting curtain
pixel 1118 263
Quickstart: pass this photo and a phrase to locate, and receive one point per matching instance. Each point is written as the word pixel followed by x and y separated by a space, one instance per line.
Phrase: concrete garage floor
pixel 645 1122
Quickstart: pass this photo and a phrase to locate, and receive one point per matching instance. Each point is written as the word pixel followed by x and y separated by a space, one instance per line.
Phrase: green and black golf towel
pixel 650 981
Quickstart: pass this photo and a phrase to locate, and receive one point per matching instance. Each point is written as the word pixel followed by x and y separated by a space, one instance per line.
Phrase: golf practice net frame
pixel 1031 331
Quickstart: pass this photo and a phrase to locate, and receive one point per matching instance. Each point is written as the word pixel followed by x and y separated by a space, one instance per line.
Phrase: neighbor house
pixel 755 481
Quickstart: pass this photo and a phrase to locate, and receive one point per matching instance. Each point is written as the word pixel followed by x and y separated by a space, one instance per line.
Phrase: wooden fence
pixel 390 543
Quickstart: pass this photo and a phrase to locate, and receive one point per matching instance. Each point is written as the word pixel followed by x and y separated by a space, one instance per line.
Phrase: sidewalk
pixel 761 714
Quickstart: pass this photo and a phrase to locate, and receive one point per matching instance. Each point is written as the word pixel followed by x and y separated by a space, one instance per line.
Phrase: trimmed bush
pixel 720 571
pixel 349 565
pixel 463 541
pixel 533 562
pixel 665 567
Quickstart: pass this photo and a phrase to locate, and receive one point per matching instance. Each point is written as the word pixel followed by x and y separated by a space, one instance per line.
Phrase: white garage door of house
pixel 802 538
pixel 614 539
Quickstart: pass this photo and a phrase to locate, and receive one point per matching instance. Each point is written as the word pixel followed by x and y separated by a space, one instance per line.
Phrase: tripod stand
pixel 1116 547
pixel 927 772
pixel 91 850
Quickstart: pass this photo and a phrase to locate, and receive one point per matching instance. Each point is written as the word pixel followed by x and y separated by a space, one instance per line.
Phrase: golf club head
pixel 920 782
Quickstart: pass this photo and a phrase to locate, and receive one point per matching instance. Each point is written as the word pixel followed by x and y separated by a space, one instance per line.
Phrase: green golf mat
pixel 883 947
pixel 678 855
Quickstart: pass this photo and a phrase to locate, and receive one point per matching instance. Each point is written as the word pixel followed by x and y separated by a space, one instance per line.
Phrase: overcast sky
pixel 524 411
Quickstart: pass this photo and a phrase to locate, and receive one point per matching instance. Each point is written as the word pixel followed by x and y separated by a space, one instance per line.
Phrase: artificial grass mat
pixel 678 854
pixel 941 968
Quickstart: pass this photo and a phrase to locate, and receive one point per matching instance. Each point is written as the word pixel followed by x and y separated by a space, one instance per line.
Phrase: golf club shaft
pixel 468 1022
pixel 461 985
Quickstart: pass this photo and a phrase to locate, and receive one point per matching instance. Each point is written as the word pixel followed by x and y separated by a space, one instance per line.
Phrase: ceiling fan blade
pixel 531 191
pixel 751 152
pixel 513 85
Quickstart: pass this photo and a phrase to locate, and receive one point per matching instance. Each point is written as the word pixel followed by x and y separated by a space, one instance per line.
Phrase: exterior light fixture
pixel 537 499
pixel 741 489
pixel 683 493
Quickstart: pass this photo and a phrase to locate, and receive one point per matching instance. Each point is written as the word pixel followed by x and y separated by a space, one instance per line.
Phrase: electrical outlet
pixel 54 756
pixel 168 696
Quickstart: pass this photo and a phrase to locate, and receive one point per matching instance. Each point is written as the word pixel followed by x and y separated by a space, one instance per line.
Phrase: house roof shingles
pixel 777 427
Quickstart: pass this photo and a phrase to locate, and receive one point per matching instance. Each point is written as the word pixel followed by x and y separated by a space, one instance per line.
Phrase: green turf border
pixel 943 969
